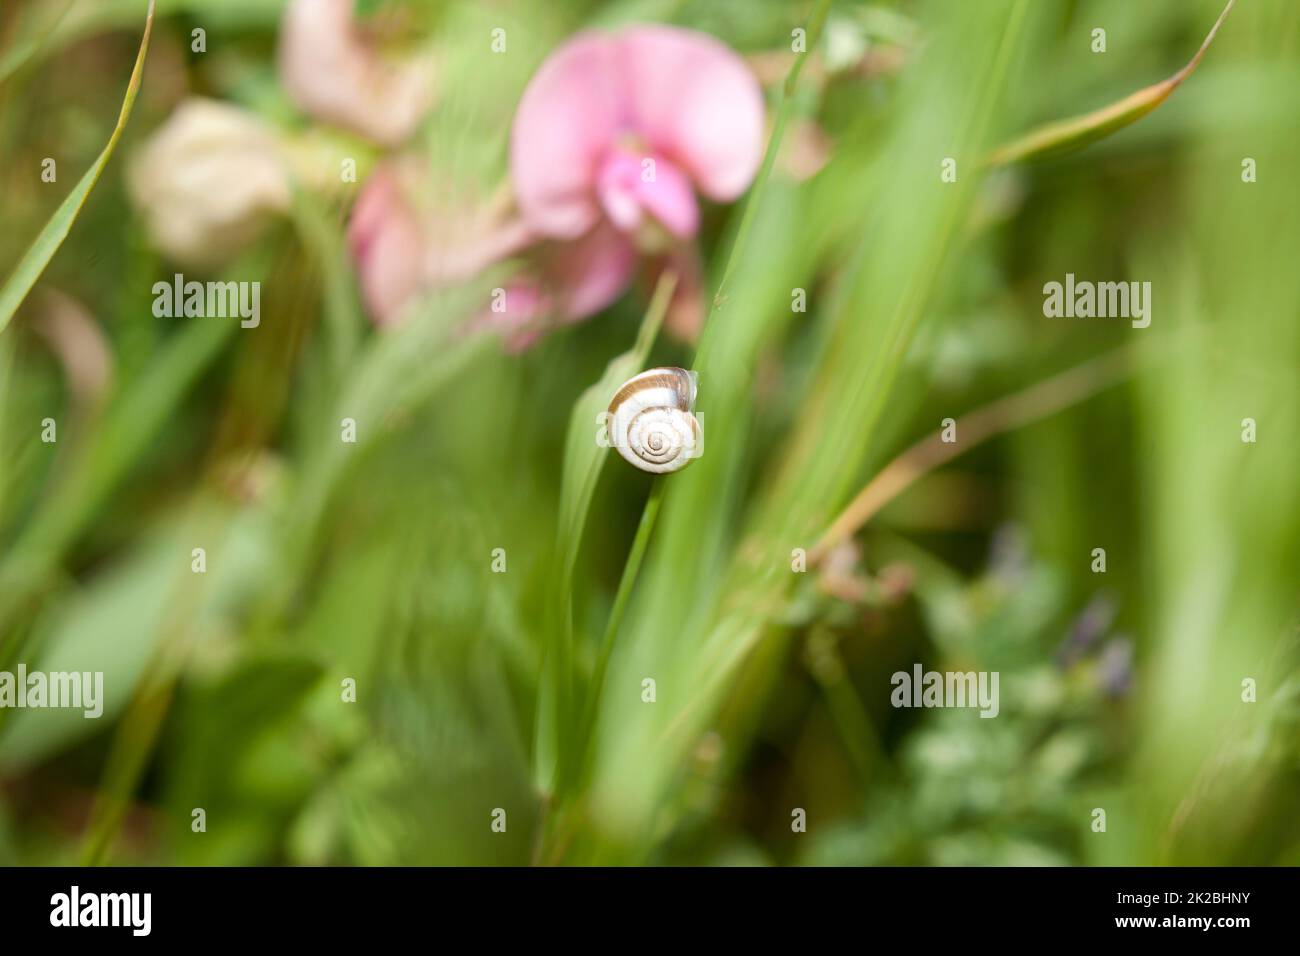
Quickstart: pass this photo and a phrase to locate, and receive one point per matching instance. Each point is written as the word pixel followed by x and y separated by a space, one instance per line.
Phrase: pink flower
pixel 564 282
pixel 614 138
pixel 615 135
pixel 586 275
pixel 405 243
pixel 331 70
pixel 628 126
pixel 408 238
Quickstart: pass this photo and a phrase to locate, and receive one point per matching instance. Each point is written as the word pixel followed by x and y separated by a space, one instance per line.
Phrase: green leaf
pixel 1076 132
pixel 41 251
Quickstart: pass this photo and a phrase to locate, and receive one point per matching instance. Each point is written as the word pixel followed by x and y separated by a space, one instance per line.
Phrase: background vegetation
pixel 523 690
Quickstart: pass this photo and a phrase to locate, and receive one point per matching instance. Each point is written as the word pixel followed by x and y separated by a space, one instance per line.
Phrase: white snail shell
pixel 650 420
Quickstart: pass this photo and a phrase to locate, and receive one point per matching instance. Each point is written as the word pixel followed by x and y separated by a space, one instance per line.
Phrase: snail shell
pixel 650 420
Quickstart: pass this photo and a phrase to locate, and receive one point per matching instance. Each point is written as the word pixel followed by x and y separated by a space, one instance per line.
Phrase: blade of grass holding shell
pixel 561 826
pixel 693 530
pixel 583 460
pixel 1062 136
pixel 583 457
pixel 630 570
pixel 739 248
pixel 42 250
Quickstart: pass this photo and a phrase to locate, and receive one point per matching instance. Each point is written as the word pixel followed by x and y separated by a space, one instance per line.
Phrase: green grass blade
pixel 39 254
pixel 625 585
pixel 756 191
pixel 1038 401
pixel 321 233
pixel 583 460
pixel 1061 136
pixel 27 50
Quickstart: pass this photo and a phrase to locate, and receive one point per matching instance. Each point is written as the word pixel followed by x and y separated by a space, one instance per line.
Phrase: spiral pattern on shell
pixel 651 423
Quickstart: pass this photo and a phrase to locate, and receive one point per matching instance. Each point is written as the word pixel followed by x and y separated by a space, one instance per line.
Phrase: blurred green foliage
pixel 477 691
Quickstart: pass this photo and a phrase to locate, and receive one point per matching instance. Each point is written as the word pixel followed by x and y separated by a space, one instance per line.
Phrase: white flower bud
pixel 207 181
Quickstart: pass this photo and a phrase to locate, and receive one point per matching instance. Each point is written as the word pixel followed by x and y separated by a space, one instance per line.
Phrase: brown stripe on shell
pixel 674 378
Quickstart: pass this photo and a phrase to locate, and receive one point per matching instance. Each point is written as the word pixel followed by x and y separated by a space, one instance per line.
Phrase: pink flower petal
pixel 568 282
pixel 629 185
pixel 590 273
pixel 386 241
pixel 462 244
pixel 685 97
pixel 670 199
pixel 694 100
pixel 522 307
pixel 688 306
pixel 331 71
pixel 568 117
pixel 616 185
